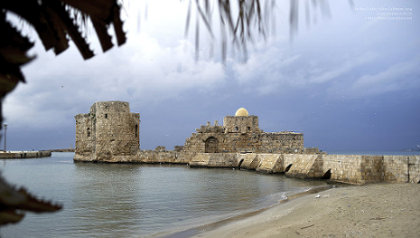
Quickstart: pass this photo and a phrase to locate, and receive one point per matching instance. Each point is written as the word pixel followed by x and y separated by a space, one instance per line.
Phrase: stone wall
pixel 241 134
pixel 84 137
pixel 107 132
pixel 396 168
pixel 354 169
pixel 303 165
pixel 270 163
pixel 248 161
pixel 350 169
pixel 372 168
pixel 414 169
pixel 166 157
pixel 241 124
pixel 279 142
pixel 210 160
pixel 399 169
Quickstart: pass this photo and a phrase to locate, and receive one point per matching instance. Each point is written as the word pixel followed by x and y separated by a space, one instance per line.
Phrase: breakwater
pixel 351 169
pixel 24 154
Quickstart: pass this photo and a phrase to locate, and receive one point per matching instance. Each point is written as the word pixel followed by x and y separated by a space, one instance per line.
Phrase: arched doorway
pixel 327 175
pixel 211 145
pixel 288 168
pixel 240 163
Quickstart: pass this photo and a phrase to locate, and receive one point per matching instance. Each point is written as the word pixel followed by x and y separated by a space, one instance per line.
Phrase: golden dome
pixel 241 112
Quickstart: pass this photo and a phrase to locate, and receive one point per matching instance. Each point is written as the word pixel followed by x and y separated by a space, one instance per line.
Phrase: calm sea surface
pixel 133 200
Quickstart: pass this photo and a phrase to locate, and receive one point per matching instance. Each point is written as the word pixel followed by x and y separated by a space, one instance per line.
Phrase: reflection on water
pixel 131 200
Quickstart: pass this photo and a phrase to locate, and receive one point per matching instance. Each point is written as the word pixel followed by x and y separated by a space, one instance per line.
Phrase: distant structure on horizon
pixel 241 133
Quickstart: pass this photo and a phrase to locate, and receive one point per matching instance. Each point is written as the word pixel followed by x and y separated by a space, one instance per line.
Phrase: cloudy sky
pixel 349 80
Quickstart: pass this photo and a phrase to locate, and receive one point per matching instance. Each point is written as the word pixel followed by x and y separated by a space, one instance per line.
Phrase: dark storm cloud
pixel 347 83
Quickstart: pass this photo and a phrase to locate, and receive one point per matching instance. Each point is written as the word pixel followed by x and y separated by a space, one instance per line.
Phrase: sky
pixel 349 79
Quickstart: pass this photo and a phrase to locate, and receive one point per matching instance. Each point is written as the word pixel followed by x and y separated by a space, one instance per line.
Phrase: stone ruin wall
pixel 350 169
pixel 242 134
pixel 356 169
pixel 413 168
pixel 84 137
pixel 196 143
pixel 249 142
pixel 402 168
pixel 110 133
pixel 241 124
pixel 281 142
pixel 108 130
pixel 117 130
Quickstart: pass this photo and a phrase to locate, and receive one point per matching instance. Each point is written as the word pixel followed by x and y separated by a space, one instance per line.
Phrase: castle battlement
pixel 210 128
pixel 110 107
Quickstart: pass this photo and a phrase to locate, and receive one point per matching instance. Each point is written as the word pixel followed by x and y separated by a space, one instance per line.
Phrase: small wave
pixel 281 197
pixel 65 161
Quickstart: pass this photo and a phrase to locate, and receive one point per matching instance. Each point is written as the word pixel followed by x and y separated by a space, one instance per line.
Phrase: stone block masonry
pixel 241 133
pixel 269 163
pixel 400 169
pixel 302 165
pixel 350 169
pixel 109 132
pixel 227 160
pixel 248 161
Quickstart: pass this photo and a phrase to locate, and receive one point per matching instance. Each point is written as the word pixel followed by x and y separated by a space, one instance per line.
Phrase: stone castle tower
pixel 241 133
pixel 108 132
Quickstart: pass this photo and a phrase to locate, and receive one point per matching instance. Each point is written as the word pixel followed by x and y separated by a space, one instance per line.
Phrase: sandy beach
pixel 377 210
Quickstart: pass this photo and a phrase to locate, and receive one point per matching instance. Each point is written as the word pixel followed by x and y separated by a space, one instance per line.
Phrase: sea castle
pixel 110 133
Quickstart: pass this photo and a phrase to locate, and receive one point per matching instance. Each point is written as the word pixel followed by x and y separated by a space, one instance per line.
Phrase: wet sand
pixel 378 210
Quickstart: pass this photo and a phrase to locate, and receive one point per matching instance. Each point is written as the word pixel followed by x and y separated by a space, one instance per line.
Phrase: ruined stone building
pixel 110 133
pixel 241 133
pixel 109 130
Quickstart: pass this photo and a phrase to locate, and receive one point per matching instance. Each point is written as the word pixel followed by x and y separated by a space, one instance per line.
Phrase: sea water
pixel 137 200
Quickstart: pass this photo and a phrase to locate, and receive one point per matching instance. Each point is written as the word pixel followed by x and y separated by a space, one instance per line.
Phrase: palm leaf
pixel 251 20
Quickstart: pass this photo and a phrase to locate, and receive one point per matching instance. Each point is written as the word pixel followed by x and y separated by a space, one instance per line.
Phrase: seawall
pixel 24 154
pixel 144 156
pixel 350 169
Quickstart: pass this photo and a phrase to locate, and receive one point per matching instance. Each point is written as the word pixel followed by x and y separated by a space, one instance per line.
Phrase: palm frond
pixel 55 22
pixel 247 20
